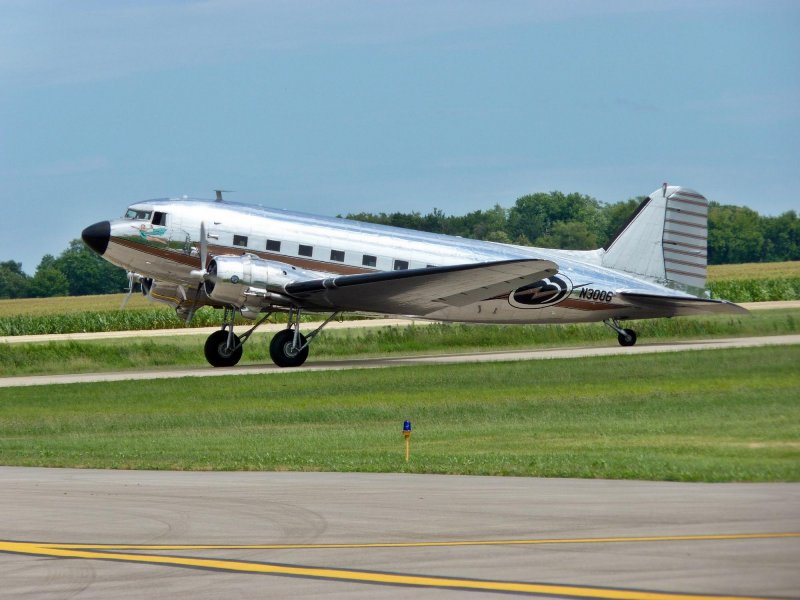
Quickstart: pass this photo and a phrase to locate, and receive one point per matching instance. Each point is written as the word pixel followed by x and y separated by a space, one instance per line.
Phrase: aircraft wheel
pixel 628 338
pixel 282 351
pixel 217 353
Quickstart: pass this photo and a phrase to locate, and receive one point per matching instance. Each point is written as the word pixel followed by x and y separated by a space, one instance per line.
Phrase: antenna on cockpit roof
pixel 219 194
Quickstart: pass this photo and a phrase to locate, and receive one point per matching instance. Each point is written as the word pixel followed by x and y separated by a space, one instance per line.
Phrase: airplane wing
pixel 675 306
pixel 419 291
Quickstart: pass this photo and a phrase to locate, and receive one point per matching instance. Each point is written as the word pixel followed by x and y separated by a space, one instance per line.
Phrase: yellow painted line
pixel 361 576
pixel 533 542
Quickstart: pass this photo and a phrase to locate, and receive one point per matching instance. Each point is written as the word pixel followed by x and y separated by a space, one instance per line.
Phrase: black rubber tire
pixel 628 339
pixel 216 351
pixel 280 349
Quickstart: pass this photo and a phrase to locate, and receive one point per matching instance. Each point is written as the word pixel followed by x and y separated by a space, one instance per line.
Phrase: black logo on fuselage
pixel 545 292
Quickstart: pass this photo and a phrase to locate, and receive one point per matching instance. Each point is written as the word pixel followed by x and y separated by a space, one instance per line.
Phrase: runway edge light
pixel 407 436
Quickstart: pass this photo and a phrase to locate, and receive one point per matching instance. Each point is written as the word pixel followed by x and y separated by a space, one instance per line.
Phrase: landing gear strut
pixel 285 351
pixel 224 348
pixel 625 337
pixel 289 348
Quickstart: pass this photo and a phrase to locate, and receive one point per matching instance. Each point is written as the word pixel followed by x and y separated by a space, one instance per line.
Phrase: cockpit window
pixel 138 215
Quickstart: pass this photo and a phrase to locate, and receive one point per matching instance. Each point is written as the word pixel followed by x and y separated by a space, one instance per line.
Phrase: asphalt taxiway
pixel 133 534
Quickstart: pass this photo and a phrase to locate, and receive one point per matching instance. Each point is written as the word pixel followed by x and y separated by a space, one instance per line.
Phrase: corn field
pixel 101 313
pixel 119 320
pixel 756 290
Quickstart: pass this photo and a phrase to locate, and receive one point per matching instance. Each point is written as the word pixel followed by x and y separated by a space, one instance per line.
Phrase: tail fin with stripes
pixel 665 239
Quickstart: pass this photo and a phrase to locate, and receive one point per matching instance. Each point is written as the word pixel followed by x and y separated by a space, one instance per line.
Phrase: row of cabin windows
pixel 337 255
pixel 160 218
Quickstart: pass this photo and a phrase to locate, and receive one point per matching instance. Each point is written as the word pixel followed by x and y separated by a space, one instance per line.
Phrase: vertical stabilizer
pixel 665 240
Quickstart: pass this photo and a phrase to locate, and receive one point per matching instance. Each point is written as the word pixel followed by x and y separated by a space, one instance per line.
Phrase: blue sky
pixel 348 106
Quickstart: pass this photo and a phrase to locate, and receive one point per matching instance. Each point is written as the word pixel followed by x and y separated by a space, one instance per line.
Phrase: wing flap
pixel 419 291
pixel 677 306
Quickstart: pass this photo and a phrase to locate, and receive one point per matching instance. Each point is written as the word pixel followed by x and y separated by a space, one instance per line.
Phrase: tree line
pixel 77 271
pixel 578 222
pixel 549 220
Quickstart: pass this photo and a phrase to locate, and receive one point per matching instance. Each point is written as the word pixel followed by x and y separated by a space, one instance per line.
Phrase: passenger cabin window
pixel 400 265
pixel 369 261
pixel 139 215
pixel 159 218
pixel 273 245
pixel 305 250
pixel 337 255
pixel 240 240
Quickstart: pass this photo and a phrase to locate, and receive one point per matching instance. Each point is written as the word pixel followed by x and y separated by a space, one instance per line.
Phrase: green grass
pixel 728 415
pixel 141 353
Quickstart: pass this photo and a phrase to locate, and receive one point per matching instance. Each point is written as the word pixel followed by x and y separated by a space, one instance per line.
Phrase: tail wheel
pixel 627 337
pixel 283 352
pixel 218 354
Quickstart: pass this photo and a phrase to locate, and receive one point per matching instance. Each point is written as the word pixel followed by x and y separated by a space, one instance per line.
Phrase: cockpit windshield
pixel 138 215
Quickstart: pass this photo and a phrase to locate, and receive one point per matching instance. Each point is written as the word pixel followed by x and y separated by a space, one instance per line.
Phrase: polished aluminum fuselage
pixel 168 252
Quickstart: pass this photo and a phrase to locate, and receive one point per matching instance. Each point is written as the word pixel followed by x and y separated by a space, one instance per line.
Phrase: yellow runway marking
pixel 104 552
pixel 534 542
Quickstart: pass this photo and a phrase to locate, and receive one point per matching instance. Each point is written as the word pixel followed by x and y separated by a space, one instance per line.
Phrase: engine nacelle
pixel 249 280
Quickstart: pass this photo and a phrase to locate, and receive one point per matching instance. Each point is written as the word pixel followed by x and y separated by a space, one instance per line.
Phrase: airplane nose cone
pixel 96 236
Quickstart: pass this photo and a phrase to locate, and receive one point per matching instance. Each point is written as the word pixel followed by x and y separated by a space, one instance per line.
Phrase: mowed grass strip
pixel 143 353
pixel 725 415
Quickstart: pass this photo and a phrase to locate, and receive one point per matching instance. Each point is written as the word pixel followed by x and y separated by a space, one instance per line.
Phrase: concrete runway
pixel 374 363
pixel 99 534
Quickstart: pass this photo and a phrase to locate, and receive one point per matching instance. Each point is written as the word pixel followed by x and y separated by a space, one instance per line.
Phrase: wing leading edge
pixel 420 291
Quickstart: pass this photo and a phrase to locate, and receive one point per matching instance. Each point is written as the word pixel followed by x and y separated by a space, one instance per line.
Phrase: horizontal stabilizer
pixel 673 306
pixel 420 291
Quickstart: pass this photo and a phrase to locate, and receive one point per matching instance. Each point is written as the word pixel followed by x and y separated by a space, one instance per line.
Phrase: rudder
pixel 665 240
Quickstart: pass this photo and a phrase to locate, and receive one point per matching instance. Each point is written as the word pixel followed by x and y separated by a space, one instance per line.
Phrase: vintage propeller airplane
pixel 254 261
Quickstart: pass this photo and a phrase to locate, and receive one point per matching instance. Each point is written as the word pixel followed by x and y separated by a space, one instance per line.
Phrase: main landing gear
pixel 289 347
pixel 625 337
